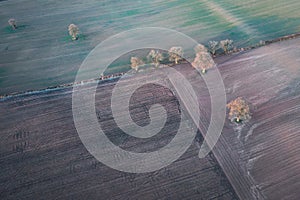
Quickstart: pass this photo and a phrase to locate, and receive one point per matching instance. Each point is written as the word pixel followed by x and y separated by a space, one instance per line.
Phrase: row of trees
pixel 202 61
pixel 156 57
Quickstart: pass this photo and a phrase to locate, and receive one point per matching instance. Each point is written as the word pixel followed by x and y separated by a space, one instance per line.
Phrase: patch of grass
pixel 68 39
pixel 9 29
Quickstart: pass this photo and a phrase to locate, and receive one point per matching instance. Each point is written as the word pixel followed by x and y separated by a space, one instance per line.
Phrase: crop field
pixel 40 53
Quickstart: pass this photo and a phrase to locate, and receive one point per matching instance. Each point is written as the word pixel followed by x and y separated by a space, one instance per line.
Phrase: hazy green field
pixel 40 53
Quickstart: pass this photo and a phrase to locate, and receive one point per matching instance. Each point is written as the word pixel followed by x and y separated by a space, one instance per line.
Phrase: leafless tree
pixel 213 46
pixel 136 62
pixel 200 48
pixel 13 23
pixel 203 59
pixel 226 45
pixel 73 31
pixel 155 57
pixel 175 54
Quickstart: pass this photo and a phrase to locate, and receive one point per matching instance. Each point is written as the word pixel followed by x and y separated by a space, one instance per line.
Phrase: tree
pixel 213 46
pixel 226 45
pixel 200 48
pixel 175 54
pixel 73 31
pixel 203 59
pixel 136 62
pixel 155 57
pixel 238 110
pixel 13 23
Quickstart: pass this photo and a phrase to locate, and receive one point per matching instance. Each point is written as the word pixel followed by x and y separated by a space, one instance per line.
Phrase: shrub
pixel 203 59
pixel 226 45
pixel 136 62
pixel 262 43
pixel 213 46
pixel 155 57
pixel 238 110
pixel 13 23
pixel 175 54
pixel 73 31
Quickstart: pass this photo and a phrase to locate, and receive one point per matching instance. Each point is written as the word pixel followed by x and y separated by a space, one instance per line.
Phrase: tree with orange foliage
pixel 238 110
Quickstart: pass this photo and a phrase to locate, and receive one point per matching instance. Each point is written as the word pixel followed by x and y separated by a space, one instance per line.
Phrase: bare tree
pixel 175 54
pixel 213 46
pixel 226 45
pixel 203 59
pixel 200 48
pixel 136 62
pixel 13 23
pixel 155 57
pixel 73 31
pixel 238 110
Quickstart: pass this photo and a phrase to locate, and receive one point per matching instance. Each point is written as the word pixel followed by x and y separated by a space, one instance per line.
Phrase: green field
pixel 40 53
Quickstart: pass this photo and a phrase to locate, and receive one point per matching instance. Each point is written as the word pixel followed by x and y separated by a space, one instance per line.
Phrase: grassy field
pixel 41 54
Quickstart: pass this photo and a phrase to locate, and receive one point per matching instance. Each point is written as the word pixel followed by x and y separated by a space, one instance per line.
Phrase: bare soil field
pixel 42 156
pixel 267 147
